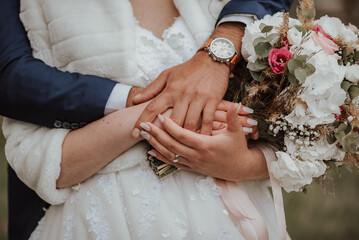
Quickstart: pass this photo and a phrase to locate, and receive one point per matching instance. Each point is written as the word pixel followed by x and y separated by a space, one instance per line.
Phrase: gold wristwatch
pixel 221 50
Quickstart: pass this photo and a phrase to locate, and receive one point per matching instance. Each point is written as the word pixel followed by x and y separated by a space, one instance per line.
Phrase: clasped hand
pixel 224 155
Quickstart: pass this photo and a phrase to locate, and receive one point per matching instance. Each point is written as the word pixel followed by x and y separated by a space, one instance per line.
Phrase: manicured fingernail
pixel 137 96
pixel 247 109
pixel 145 126
pixel 247 130
pixel 145 135
pixel 251 121
pixel 152 153
pixel 136 132
pixel 239 107
pixel 161 118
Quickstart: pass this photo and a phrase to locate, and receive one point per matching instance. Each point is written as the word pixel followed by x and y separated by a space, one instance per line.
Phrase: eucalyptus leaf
pixel 261 64
pixel 342 127
pixel 294 64
pixel 265 28
pixel 302 58
pixel 262 49
pixel 356 56
pixel 345 85
pixel 259 40
pixel 300 74
pixel 353 92
pixel 259 77
pixel 309 68
pixel 271 37
pixel 301 29
pixel 309 13
pixel 348 128
pixel 340 136
pixel 331 138
pixel 292 79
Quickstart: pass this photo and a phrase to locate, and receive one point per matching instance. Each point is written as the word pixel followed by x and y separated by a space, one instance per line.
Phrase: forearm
pixel 85 151
pixel 256 166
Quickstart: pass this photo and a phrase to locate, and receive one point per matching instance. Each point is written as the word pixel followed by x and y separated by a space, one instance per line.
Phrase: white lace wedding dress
pixel 125 200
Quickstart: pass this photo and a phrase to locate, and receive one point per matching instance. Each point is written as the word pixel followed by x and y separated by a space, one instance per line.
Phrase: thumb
pixel 153 89
pixel 233 120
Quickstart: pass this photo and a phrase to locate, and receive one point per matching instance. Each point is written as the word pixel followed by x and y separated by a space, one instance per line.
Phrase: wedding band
pixel 176 158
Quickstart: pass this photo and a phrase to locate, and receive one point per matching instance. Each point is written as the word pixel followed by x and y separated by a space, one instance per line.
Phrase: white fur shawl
pixel 91 37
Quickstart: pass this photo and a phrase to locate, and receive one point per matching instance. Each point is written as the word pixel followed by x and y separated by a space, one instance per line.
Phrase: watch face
pixel 222 48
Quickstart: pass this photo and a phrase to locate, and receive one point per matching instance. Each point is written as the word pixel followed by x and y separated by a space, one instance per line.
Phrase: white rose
pixel 293 173
pixel 335 28
pixel 352 73
pixel 294 36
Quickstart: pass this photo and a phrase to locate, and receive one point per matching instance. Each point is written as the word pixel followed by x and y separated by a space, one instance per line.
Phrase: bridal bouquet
pixel 302 80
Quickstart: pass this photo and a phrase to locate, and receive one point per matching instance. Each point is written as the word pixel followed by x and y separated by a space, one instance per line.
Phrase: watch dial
pixel 222 48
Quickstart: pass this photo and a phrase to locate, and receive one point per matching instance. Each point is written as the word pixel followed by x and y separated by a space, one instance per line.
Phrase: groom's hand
pixel 193 88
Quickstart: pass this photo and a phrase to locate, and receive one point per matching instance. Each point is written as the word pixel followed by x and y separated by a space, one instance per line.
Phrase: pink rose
pixel 278 59
pixel 318 29
pixel 322 39
pixel 353 28
pixel 325 43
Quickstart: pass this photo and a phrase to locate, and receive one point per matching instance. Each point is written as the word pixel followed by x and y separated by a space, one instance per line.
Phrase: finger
pixel 218 125
pixel 255 133
pixel 179 111
pixel 169 142
pixel 160 104
pixel 226 105
pixel 193 115
pixel 152 89
pixel 208 116
pixel 185 136
pixel 220 116
pixel 158 146
pixel 178 164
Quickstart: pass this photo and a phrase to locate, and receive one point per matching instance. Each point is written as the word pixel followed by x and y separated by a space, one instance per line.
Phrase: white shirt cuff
pixel 118 98
pixel 243 18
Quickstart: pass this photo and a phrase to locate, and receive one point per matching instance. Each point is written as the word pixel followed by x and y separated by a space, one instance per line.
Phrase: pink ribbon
pixel 245 215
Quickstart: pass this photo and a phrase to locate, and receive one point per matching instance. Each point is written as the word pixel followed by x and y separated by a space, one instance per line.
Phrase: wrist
pixel 233 31
pixel 203 58
pixel 134 91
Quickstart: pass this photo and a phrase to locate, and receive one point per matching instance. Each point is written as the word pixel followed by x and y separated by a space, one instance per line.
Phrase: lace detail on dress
pixel 180 221
pixel 150 194
pixel 224 234
pixel 207 187
pixel 96 218
pixel 75 196
pixel 69 225
pixel 105 183
pixel 155 55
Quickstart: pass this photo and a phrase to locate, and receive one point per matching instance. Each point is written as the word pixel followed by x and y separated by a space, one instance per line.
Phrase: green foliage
pixel 348 140
pixel 301 29
pixel 299 68
pixel 356 56
pixel 262 45
pixel 265 28
pixel 258 76
pixel 345 85
pixel 353 91
pixel 309 13
pixel 261 64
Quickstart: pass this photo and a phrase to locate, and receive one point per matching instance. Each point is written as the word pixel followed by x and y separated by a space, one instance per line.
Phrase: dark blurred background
pixel 313 215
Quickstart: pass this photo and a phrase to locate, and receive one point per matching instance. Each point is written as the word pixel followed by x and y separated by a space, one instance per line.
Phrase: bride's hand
pixel 225 155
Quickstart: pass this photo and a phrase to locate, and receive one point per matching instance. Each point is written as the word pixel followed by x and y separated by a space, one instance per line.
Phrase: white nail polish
pixel 145 135
pixel 251 121
pixel 239 107
pixel 161 118
pixel 152 153
pixel 137 96
pixel 145 126
pixel 247 129
pixel 247 109
pixel 136 133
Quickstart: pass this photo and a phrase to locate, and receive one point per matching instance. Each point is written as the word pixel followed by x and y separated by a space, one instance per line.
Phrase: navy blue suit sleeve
pixel 260 8
pixel 34 92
